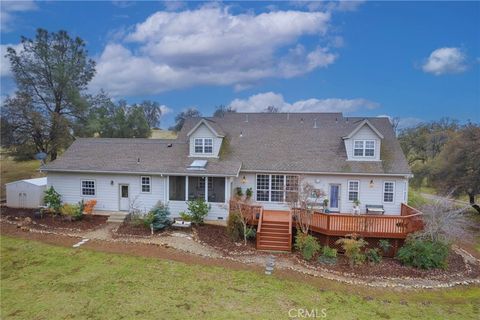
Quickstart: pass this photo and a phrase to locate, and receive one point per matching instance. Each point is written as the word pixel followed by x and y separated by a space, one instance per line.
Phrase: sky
pixel 419 61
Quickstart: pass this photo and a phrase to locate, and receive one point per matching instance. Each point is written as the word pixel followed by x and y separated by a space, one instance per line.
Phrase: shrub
pixel 159 217
pixel 185 216
pixel 234 226
pixel 385 245
pixel 89 205
pixel 424 254
pixel 53 200
pixel 373 255
pixel 198 209
pixel 148 219
pixel 353 249
pixel 251 233
pixel 329 255
pixel 307 245
pixel 74 211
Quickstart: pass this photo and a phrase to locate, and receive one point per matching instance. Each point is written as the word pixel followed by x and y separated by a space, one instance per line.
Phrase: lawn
pixel 16 170
pixel 47 282
pixel 163 134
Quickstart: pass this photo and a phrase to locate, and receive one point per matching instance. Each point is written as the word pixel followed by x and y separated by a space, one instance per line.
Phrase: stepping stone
pixel 270 269
pixel 268 273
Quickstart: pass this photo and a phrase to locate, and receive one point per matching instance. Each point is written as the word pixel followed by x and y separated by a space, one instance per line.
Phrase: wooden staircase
pixel 274 232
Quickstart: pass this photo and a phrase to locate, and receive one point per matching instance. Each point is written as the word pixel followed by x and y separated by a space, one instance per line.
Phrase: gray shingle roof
pixel 289 142
pixel 266 142
pixel 136 155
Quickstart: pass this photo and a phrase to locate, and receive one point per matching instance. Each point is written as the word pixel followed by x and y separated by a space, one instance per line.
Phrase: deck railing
pixel 375 226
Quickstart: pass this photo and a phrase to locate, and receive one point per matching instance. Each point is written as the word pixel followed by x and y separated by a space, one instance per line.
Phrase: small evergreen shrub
pixel 53 200
pixel 251 233
pixel 198 209
pixel 373 256
pixel 424 254
pixel 159 217
pixel 234 226
pixel 353 249
pixel 72 211
pixel 385 245
pixel 248 193
pixel 239 192
pixel 329 255
pixel 307 245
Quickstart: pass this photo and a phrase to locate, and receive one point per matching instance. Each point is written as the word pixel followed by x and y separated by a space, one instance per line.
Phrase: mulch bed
pixel 393 268
pixel 50 222
pixel 218 238
pixel 129 229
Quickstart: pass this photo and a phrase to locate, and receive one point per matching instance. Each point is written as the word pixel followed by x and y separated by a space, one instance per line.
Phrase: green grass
pixel 163 134
pixel 12 170
pixel 415 199
pixel 40 281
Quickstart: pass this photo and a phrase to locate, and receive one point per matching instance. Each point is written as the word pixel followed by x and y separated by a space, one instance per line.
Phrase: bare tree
pixel 243 218
pixel 445 221
pixel 303 202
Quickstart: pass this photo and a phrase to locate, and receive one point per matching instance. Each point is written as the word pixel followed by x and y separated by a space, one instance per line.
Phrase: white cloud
pixel 339 5
pixel 4 61
pixel 403 123
pixel 445 60
pixel 165 110
pixel 259 102
pixel 211 46
pixel 174 5
pixel 8 10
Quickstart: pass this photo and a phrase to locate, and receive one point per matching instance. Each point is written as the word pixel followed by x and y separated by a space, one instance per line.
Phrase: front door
pixel 124 199
pixel 334 197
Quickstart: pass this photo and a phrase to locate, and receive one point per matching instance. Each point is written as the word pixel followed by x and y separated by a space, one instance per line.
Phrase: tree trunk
pixel 471 198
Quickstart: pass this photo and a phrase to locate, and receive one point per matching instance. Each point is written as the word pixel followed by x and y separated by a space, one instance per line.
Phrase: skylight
pixel 198 165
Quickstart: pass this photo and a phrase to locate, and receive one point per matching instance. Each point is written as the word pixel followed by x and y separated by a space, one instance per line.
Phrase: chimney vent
pixel 138 160
pixel 246 118
pixel 315 123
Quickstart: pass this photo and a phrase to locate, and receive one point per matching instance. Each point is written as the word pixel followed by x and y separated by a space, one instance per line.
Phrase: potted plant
pixel 248 193
pixel 238 193
pixel 325 205
pixel 356 206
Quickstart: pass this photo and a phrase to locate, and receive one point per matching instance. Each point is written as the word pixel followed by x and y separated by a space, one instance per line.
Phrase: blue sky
pixel 415 60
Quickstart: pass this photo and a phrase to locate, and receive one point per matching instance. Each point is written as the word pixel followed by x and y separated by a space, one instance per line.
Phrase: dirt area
pixel 129 229
pixel 49 222
pixel 218 238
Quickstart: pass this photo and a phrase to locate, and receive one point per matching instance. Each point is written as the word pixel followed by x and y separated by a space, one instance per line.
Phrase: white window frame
pixel 94 187
pixel 364 148
pixel 393 191
pixel 269 190
pixel 350 190
pixel 202 144
pixel 149 184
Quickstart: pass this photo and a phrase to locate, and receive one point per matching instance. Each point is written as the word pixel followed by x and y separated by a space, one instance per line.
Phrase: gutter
pixel 200 174
pixel 406 175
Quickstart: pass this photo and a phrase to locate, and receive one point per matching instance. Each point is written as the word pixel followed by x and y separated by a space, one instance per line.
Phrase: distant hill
pixel 163 134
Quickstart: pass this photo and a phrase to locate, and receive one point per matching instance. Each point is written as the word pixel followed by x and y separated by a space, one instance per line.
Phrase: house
pixel 347 158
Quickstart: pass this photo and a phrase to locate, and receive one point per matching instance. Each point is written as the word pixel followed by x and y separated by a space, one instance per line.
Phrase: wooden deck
pixel 330 224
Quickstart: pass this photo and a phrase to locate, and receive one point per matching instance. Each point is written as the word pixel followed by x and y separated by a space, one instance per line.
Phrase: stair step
pixel 274 238
pixel 280 223
pixel 274 248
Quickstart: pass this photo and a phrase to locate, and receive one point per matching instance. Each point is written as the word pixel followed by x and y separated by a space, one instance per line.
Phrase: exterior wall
pixel 107 195
pixel 204 132
pixel 33 195
pixel 365 133
pixel 367 195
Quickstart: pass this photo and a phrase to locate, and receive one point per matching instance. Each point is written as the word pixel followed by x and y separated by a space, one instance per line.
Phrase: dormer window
pixel 364 148
pixel 204 145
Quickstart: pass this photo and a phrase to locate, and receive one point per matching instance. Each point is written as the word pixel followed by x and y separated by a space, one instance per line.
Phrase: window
pixel 263 187
pixel 353 189
pixel 388 191
pixel 364 148
pixel 145 184
pixel 88 187
pixel 176 188
pixel 276 188
pixel 196 188
pixel 203 145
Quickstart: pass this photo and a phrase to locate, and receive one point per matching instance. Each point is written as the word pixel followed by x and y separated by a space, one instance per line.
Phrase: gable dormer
pixel 363 143
pixel 205 139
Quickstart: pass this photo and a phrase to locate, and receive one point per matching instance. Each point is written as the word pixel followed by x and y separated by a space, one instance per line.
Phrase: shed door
pixel 22 199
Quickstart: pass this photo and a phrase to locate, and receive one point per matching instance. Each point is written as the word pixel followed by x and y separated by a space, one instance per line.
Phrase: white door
pixel 335 197
pixel 124 199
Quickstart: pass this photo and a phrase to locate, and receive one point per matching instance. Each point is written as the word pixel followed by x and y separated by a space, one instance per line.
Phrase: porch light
pixel 371 184
pixel 244 180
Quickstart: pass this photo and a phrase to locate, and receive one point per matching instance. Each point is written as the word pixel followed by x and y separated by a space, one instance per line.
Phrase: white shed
pixel 26 193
